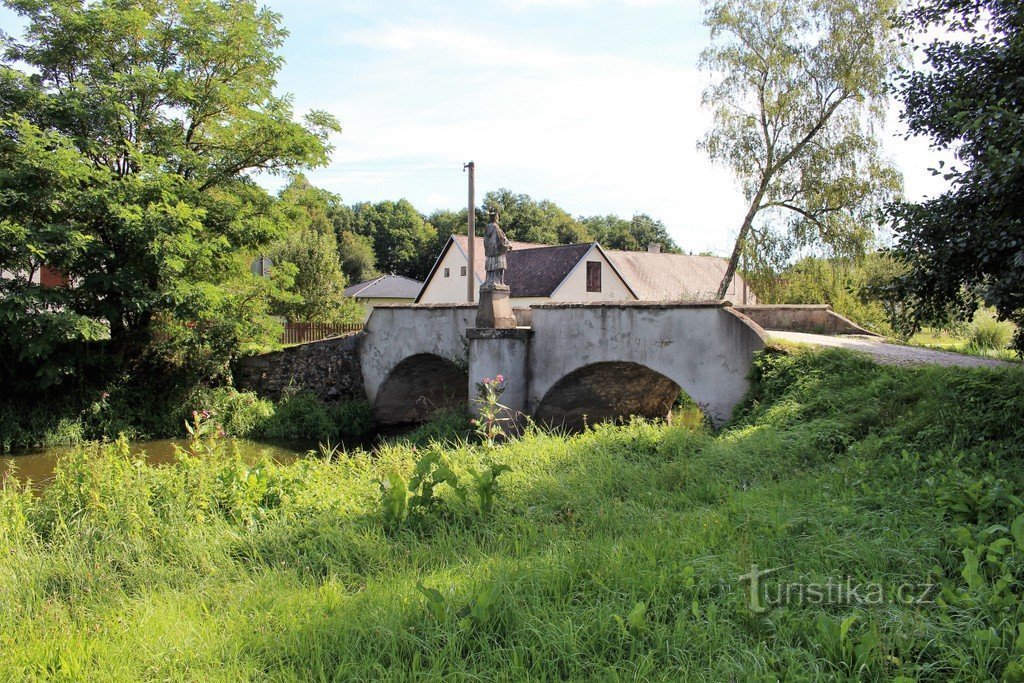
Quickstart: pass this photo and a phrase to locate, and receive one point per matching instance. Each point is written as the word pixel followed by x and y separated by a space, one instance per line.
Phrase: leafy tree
pixel 635 234
pixel 966 246
pixel 309 248
pixel 403 242
pixel 522 218
pixel 358 261
pixel 318 281
pixel 798 90
pixel 842 283
pixel 128 134
pixel 447 222
pixel 300 204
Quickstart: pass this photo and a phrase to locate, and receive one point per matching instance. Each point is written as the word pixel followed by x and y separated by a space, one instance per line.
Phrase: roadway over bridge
pixel 599 360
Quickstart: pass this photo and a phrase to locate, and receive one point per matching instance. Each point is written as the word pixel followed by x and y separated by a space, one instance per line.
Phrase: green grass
pixel 612 554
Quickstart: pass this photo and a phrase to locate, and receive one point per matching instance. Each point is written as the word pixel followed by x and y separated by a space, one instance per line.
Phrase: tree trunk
pixel 741 240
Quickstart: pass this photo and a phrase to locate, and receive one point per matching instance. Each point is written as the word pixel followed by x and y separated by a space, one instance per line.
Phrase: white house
pixel 539 273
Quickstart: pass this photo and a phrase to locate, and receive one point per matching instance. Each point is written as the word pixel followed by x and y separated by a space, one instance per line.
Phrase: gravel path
pixel 890 354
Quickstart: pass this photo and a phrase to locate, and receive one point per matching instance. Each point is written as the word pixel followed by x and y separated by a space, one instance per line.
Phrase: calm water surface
pixel 38 465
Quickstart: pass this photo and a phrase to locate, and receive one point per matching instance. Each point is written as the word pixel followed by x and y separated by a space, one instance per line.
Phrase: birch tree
pixel 798 95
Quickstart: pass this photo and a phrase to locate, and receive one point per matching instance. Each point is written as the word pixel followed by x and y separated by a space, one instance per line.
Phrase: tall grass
pixel 611 554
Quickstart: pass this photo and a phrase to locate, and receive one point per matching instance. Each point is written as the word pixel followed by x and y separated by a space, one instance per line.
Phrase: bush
pixel 448 426
pixel 240 413
pixel 303 417
pixel 353 418
pixel 989 334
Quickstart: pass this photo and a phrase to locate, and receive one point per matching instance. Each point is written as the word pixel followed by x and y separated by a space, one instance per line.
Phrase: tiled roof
pixel 669 277
pixel 386 287
pixel 538 271
pixel 478 252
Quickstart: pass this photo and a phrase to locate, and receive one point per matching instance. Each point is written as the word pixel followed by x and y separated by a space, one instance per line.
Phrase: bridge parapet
pixel 601 359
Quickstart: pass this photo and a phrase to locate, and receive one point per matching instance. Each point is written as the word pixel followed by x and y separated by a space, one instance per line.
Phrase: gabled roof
pixel 478 252
pixel 461 242
pixel 386 287
pixel 669 277
pixel 539 271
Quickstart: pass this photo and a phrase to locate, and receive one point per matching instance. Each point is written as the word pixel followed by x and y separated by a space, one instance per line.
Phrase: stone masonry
pixel 329 369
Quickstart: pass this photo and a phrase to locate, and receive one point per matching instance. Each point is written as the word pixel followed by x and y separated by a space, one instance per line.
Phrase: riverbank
pixel 617 552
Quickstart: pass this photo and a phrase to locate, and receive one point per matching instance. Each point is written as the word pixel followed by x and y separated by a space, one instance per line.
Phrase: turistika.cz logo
pixel 763 593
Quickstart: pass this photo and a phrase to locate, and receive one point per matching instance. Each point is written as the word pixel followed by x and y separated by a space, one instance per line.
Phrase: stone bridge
pixel 599 360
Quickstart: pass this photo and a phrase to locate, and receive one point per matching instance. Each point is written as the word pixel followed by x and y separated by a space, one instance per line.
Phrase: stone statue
pixel 495 309
pixel 496 245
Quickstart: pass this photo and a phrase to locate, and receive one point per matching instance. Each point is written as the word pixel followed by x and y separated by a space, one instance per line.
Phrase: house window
pixel 593 276
pixel 463 273
pixel 447 272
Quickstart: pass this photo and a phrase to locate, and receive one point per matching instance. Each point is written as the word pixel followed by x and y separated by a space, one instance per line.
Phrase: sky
pixel 593 104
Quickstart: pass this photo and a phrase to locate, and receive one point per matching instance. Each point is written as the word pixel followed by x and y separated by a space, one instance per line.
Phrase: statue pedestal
pixel 495 309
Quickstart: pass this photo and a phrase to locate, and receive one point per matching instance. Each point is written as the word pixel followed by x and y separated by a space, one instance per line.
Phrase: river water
pixel 38 465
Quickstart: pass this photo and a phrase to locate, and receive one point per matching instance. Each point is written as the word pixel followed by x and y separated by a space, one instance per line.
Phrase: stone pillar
pixel 504 352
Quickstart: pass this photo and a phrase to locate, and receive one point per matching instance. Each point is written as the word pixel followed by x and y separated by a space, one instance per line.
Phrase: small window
pixel 593 276
pixel 447 272
pixel 463 273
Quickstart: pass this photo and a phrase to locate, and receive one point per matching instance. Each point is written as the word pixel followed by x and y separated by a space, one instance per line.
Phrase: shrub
pixel 353 418
pixel 240 413
pixel 989 334
pixel 304 417
pixel 299 417
pixel 447 426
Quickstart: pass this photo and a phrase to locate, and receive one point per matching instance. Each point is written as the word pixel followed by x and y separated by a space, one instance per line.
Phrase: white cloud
pixel 597 133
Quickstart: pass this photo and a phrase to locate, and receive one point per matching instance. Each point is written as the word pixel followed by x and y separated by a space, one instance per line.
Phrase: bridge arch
pixel 706 348
pixel 410 357
pixel 606 390
pixel 418 386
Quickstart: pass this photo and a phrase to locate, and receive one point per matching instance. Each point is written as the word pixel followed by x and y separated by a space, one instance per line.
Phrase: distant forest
pixel 394 237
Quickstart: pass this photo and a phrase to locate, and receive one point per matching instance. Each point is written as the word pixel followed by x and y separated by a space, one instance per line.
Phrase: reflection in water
pixel 38 465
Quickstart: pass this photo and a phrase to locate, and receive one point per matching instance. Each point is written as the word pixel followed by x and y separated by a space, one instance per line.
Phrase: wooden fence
pixel 299 333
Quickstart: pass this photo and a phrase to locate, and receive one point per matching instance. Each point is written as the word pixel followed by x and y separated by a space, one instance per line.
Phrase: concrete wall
pixel 810 318
pixel 451 289
pixel 396 332
pixel 330 369
pixel 706 349
pixel 574 287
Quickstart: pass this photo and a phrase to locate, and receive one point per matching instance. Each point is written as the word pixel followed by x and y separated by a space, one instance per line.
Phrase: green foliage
pixel 303 417
pixel 849 286
pixel 525 219
pixel 486 486
pixel 319 284
pixel 403 242
pixel 358 262
pixel 611 554
pixel 963 247
pixel 635 234
pixel 989 334
pixel 432 470
pixel 450 426
pixel 492 415
pixel 128 136
pixel 799 88
pixel 309 250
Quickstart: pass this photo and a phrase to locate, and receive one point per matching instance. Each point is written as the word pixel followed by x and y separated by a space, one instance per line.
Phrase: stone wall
pixel 329 369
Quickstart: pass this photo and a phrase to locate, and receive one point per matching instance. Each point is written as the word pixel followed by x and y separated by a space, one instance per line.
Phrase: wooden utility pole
pixel 471 233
